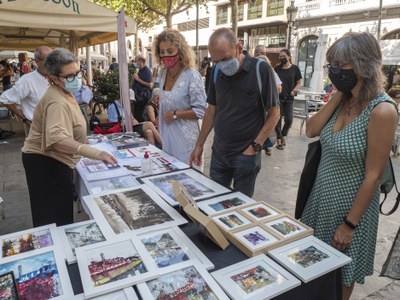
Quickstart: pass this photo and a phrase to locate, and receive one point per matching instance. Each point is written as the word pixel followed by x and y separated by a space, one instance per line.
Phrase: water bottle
pixel 147 164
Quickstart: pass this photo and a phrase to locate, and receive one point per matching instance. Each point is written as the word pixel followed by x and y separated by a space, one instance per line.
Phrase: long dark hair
pixel 6 65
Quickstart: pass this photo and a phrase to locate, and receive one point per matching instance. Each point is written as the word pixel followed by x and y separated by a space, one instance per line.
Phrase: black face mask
pixel 283 60
pixel 344 81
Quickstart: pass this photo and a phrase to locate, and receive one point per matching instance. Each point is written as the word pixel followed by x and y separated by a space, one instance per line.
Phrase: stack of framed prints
pixel 309 258
pixel 124 294
pixel 221 203
pixel 137 209
pixel 255 278
pixel 197 185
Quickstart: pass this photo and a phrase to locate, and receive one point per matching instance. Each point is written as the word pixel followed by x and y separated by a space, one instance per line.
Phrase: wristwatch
pixel 256 146
pixel 175 116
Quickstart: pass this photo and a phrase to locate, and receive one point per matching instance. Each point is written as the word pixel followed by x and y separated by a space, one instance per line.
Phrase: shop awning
pixel 390 52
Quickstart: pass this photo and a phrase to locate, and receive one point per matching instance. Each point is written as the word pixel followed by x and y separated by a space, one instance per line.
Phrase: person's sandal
pixel 283 142
pixel 267 151
pixel 279 147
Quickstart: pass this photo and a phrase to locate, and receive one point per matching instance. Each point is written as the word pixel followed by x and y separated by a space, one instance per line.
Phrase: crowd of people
pixel 175 108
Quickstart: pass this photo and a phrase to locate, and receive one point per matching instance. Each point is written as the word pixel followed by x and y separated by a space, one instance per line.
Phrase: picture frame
pixel 103 172
pixel 112 265
pixel 230 220
pixel 8 286
pixel 309 258
pixel 123 294
pixel 224 202
pixel 171 246
pixel 198 185
pixel 136 209
pixel 77 235
pixel 255 278
pixel 110 184
pixel 28 269
pixel 260 211
pixel 28 240
pixel 288 228
pixel 175 282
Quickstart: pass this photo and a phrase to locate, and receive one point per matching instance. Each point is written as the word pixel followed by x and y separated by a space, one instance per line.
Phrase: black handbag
pixel 308 176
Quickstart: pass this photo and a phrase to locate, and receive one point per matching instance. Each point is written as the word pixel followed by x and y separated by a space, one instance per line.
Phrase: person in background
pixel 6 72
pixel 181 94
pixel 395 95
pixel 152 110
pixel 23 65
pixel 291 81
pixel 205 71
pixel 141 85
pixel 56 142
pixel 343 206
pixel 114 65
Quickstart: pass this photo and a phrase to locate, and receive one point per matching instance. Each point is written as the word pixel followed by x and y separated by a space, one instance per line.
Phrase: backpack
pixel 388 181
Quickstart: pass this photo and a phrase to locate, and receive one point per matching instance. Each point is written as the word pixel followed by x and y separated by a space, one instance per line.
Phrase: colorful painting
pixel 8 287
pixel 164 250
pixel 37 276
pixel 259 212
pixel 286 227
pixel 226 204
pixel 308 256
pixel 255 237
pixel 231 220
pixel 124 154
pixel 83 235
pixel 185 284
pixel 253 279
pixel 26 242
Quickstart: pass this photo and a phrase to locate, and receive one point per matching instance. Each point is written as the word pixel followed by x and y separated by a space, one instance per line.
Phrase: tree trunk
pixel 234 16
pixel 168 18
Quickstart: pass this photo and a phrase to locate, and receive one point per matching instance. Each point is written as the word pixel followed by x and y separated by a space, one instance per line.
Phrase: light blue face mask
pixel 229 67
pixel 73 86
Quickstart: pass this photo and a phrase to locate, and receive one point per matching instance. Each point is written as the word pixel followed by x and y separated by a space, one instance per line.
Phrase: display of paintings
pixel 124 154
pixel 8 287
pixel 41 274
pixel 112 265
pixel 94 170
pixel 28 240
pixel 221 203
pixel 124 294
pixel 188 281
pixel 94 165
pixel 260 211
pixel 138 209
pixel 167 163
pixel 286 227
pixel 110 184
pixel 198 186
pixel 309 258
pixel 171 246
pixel 231 220
pixel 255 278
pixel 255 238
pixel 78 235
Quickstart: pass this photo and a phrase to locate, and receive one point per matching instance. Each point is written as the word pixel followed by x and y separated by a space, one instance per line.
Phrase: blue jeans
pixel 242 169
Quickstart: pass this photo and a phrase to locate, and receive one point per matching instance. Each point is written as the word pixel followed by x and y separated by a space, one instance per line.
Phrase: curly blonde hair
pixel 186 53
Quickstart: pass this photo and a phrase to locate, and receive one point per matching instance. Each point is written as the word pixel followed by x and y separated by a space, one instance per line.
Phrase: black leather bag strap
pixel 396 205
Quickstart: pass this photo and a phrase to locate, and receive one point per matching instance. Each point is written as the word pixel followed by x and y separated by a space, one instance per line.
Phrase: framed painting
pixel 124 294
pixel 230 220
pixel 198 185
pixel 110 184
pixel 255 278
pixel 78 235
pixel 287 227
pixel 260 211
pixel 309 258
pixel 112 265
pixel 137 209
pixel 8 287
pixel 221 203
pixel 41 274
pixel 186 281
pixel 28 240
pixel 171 246
pixel 124 154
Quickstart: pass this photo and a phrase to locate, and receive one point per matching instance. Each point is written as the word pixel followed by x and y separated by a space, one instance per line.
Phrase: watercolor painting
pixel 253 279
pixel 308 256
pixel 84 235
pixel 8 287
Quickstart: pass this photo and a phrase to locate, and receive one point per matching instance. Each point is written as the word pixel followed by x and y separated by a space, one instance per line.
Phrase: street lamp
pixel 291 12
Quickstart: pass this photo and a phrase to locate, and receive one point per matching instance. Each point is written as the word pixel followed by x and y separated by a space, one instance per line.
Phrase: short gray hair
pixel 224 33
pixel 258 48
pixel 57 59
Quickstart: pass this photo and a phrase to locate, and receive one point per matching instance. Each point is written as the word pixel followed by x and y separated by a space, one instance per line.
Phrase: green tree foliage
pixel 107 84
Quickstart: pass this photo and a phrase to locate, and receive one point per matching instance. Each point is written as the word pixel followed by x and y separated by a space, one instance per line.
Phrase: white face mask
pixel 229 67
pixel 74 86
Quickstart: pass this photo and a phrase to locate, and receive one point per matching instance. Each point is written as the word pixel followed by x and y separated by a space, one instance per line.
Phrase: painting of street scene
pixel 185 284
pixel 114 262
pixel 8 287
pixel 259 212
pixel 83 235
pixel 37 277
pixel 255 237
pixel 286 226
pixel 26 242
pixel 228 203
pixel 131 210
pixel 308 256
pixel 231 220
pixel 164 250
pixel 253 279
pixel 94 165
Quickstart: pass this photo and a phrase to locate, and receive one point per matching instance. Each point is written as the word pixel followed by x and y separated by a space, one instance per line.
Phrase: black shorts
pixel 138 128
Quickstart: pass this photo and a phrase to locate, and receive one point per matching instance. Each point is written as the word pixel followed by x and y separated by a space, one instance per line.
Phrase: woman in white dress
pixel 181 94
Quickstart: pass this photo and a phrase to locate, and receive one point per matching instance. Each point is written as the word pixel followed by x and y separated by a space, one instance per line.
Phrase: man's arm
pixel 19 113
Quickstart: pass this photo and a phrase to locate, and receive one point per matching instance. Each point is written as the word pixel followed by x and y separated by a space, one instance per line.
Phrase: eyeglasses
pixel 71 77
pixel 332 69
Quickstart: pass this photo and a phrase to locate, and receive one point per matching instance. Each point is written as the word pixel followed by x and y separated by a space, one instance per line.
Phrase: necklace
pixel 350 107
pixel 176 74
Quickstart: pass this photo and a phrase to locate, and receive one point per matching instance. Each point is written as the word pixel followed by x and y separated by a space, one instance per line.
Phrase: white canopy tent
pixel 11 54
pixel 94 56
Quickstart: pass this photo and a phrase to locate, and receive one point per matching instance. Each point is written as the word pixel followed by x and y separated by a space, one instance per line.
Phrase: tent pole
pixel 89 67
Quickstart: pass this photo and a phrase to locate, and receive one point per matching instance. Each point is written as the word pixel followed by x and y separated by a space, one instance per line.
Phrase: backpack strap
pixel 396 205
pixel 215 73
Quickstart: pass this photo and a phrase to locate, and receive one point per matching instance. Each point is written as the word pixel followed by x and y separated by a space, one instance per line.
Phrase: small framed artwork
pixel 110 184
pixel 255 278
pixel 260 211
pixel 221 203
pixel 112 265
pixel 231 220
pixel 78 235
pixel 198 185
pixel 41 274
pixel 171 246
pixel 186 281
pixel 124 294
pixel 28 240
pixel 124 154
pixel 137 209
pixel 309 258
pixel 287 227
pixel 8 287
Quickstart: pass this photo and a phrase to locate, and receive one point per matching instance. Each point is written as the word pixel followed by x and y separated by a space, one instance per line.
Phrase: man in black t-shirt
pixel 142 87
pixel 114 65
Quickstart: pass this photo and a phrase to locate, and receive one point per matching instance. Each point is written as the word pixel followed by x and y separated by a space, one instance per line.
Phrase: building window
pixel 275 7
pixel 306 58
pixel 254 10
pixel 240 10
pixel 191 25
pixel 222 14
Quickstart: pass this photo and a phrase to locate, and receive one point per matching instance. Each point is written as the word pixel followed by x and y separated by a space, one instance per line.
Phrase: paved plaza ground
pixel 276 184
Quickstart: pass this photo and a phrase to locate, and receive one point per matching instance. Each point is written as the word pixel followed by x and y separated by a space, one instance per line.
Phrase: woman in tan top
pixel 55 143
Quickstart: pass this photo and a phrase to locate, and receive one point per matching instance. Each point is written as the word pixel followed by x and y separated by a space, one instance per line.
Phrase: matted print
pixel 260 211
pixel 197 185
pixel 255 237
pixel 138 209
pixel 94 166
pixel 8 287
pixel 109 266
pixel 39 275
pixel 224 202
pixel 231 220
pixel 150 149
pixel 28 240
pixel 255 278
pixel 110 184
pixel 309 258
pixel 124 154
pixel 190 281
pixel 285 227
pixel 171 246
